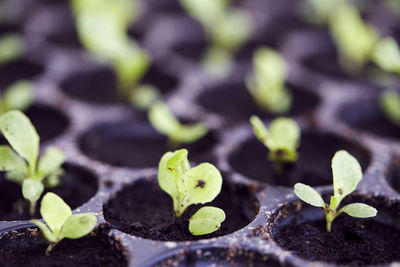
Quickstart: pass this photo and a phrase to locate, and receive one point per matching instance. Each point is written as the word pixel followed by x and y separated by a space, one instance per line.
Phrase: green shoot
pixel 187 186
pixel 60 222
pixel 165 123
pixel 267 84
pixel 346 176
pixel 227 28
pixel 18 96
pixel 321 10
pixel 21 161
pixel 354 38
pixel 387 55
pixel 390 104
pixel 11 47
pixel 282 139
pixel 102 27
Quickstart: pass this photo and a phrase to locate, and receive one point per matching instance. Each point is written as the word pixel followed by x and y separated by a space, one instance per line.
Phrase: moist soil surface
pixel 312 168
pixel 368 117
pixel 235 104
pixel 352 242
pixel 27 247
pixel 16 70
pixel 144 210
pixel 219 257
pixel 99 85
pixel 77 187
pixel 138 145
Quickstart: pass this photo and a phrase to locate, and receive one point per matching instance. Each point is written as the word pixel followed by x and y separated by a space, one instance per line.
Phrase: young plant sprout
pixel 187 186
pixel 60 222
pixel 102 28
pixel 387 55
pixel 390 104
pixel 346 175
pixel 165 122
pixel 321 11
pixel 18 96
pixel 226 27
pixel 267 83
pixel 11 47
pixel 282 139
pixel 354 38
pixel 21 161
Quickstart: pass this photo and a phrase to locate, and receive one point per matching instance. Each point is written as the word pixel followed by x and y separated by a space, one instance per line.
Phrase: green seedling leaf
pixel 206 221
pixel 144 96
pixel 217 62
pixel 45 230
pixel 24 140
pixel 32 190
pixel 267 84
pixel 10 161
pixel 390 104
pixel 322 10
pixel 55 212
pixel 79 225
pixel 282 139
pixel 60 223
pixel 359 210
pixel 18 96
pixel 11 47
pixel 188 186
pixel 355 39
pixel 309 195
pixel 208 12
pixel 387 55
pixel 51 161
pixel 346 175
pixel 21 135
pixel 232 30
pixel 165 122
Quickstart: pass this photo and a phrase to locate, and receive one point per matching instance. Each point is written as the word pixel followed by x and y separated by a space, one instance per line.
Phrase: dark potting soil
pixel 368 117
pixel 313 166
pixel 26 247
pixel 78 185
pixel 48 121
pixel 17 70
pixel 130 144
pixel 144 210
pixel 219 257
pixel 352 242
pixel 235 104
pixel 98 84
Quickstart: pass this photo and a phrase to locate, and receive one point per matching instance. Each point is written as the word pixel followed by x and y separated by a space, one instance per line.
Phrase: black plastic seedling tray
pixel 112 151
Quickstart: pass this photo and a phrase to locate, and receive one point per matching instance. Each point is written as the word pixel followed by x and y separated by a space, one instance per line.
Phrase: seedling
pixel 321 10
pixel 267 83
pixel 187 186
pixel 226 27
pixel 18 96
pixel 282 139
pixel 20 161
pixel 346 175
pixel 11 47
pixel 354 38
pixel 102 28
pixel 387 55
pixel 390 104
pixel 60 223
pixel 165 122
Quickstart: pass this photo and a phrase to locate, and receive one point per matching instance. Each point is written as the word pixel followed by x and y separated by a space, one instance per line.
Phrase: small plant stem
pixel 50 248
pixel 278 166
pixel 329 219
pixel 32 207
pixel 172 144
